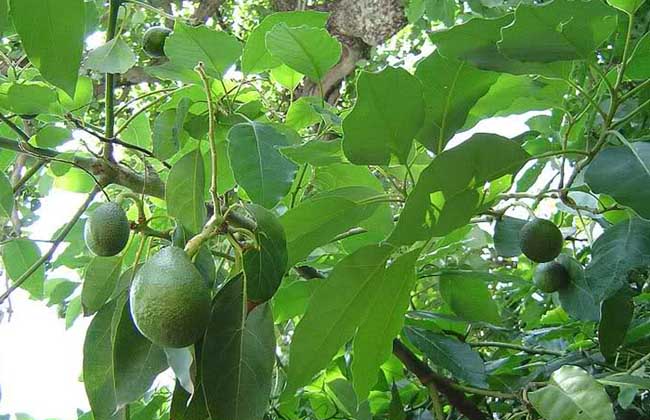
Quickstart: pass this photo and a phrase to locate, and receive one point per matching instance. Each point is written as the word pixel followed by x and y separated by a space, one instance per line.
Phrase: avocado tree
pixel 280 210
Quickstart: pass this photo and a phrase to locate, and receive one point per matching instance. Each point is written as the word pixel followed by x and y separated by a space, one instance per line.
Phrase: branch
pixel 56 242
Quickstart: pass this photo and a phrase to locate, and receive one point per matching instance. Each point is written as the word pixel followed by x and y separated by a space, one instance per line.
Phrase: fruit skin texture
pixel 153 42
pixel 169 300
pixel 540 240
pixel 551 277
pixel 107 230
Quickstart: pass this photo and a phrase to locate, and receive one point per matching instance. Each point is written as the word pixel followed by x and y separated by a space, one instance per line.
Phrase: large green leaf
pixel 386 117
pixel 167 129
pixel 27 98
pixel 238 368
pixel 572 394
pixel 138 131
pixel 52 33
pixel 373 342
pixel 623 173
pixel 475 41
pixel 137 361
pixel 578 298
pixel 551 31
pixel 308 50
pixel 256 58
pixel 467 294
pixel 184 192
pixel 52 136
pixel 187 46
pixel 335 311
pixel 616 314
pixel 100 280
pixel 450 90
pixel 458 358
pixel 98 361
pixel 506 236
pixel 6 198
pixel 639 66
pixel 266 264
pixel 445 196
pixel 113 57
pixel 18 256
pixel 628 6
pixel 259 167
pixel 323 217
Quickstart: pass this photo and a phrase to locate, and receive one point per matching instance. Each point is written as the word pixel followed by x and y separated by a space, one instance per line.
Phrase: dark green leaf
pixel 184 192
pixel 6 198
pixel 100 280
pixel 639 66
pixel 259 167
pixel 18 256
pixel 506 236
pixel 388 113
pixel 265 265
pixel 449 353
pixel 238 372
pixel 616 314
pixel 52 34
pixel 578 299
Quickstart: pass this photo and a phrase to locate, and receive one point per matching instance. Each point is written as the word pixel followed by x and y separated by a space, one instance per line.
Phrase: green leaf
pixel 396 408
pixel 373 342
pixel 167 129
pixel 475 41
pixel 5 22
pixel 623 380
pixel 184 192
pixel 52 35
pixel 547 32
pixel 301 113
pixel 388 113
pixel 113 57
pixel 628 6
pixel 187 46
pixel 259 167
pixel 307 50
pixel 180 361
pixel 638 67
pixel 578 298
pixel 315 153
pixel 335 311
pixel 458 358
pixel 6 198
pixel 623 173
pixel 18 256
pixel 445 196
pixel 320 219
pixel 237 374
pixel 138 132
pixel 450 90
pixel 52 136
pixel 137 361
pixel 285 76
pixel 98 361
pixel 572 394
pixel 467 294
pixel 58 290
pixel 256 58
pixel 616 314
pixel 292 297
pixel 506 236
pixel 27 98
pixel 83 96
pixel 265 265
pixel 100 280
pixel 72 312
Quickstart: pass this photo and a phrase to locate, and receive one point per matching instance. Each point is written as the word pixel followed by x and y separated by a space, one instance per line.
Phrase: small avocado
pixel 153 42
pixel 540 240
pixel 551 276
pixel 107 230
pixel 169 300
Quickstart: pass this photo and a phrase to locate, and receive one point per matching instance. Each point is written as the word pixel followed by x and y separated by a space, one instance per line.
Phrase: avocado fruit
pixel 107 230
pixel 153 42
pixel 551 276
pixel 540 240
pixel 169 300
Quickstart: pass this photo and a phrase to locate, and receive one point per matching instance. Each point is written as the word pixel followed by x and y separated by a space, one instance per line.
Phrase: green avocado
pixel 551 277
pixel 107 230
pixel 153 42
pixel 540 240
pixel 169 300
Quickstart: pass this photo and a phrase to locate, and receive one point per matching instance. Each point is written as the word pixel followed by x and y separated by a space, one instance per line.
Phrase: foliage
pixel 362 250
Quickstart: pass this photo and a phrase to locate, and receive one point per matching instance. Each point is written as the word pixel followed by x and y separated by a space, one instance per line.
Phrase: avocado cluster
pixel 169 300
pixel 107 230
pixel 153 42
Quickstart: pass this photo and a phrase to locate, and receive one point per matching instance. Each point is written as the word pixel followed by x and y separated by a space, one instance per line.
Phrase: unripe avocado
pixel 169 300
pixel 153 42
pixel 540 240
pixel 551 277
pixel 107 230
